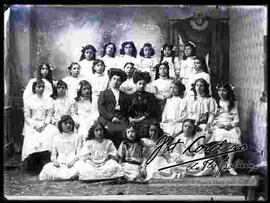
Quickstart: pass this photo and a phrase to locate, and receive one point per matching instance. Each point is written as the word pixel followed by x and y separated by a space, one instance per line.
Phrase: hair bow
pixel 192 43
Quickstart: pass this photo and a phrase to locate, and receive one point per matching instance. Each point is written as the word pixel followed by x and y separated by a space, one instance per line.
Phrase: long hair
pixel 181 87
pixel 37 82
pixel 196 128
pixel 151 48
pixel 79 92
pixel 160 131
pixel 206 87
pixel 203 63
pixel 136 129
pixel 65 118
pixel 59 83
pixel 134 50
pixel 91 131
pixel 105 47
pixel 96 61
pixel 162 52
pixel 193 50
pixel 49 76
pixel 86 48
pixel 166 64
pixel 231 97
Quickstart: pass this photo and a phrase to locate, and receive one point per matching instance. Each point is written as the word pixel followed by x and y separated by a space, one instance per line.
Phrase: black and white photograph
pixel 135 102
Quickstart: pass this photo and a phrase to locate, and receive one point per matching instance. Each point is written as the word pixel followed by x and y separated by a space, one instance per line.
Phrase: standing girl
pixel 131 155
pixel 44 72
pixel 83 109
pixel 225 125
pixel 128 53
pixel 129 86
pixel 108 56
pixel 98 156
pixel 168 55
pixel 161 159
pixel 187 63
pixel 66 146
pixel 86 62
pixel 38 132
pixel 175 110
pixel 147 61
pixel 73 80
pixel 201 107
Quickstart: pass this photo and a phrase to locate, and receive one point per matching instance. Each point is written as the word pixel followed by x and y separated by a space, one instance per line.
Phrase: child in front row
pixel 131 155
pixel 98 156
pixel 66 145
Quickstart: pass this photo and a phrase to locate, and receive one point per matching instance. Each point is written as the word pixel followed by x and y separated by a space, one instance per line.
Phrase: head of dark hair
pixel 150 47
pixel 157 125
pixel 105 47
pixel 72 64
pixel 180 86
pixel 203 63
pixel 38 81
pixel 97 61
pixel 193 50
pixel 59 84
pixel 79 92
pixel 91 132
pixel 63 119
pixel 49 76
pixel 196 128
pixel 86 48
pixel 166 64
pixel 134 50
pixel 136 129
pixel 231 97
pixel 205 84
pixel 145 76
pixel 167 45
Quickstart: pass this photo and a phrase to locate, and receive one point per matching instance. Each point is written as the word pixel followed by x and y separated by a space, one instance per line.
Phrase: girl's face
pixel 98 132
pixel 188 50
pixel 89 54
pixel 129 69
pixel 61 90
pixel 140 85
pixel 174 90
pixel 115 81
pixel 99 68
pixel 39 89
pixel 75 70
pixel 153 132
pixel 147 52
pixel 163 70
pixel 128 49
pixel 199 87
pixel 67 126
pixel 223 93
pixel 110 50
pixel 197 65
pixel 167 52
pixel 131 134
pixel 44 71
pixel 188 128
pixel 86 91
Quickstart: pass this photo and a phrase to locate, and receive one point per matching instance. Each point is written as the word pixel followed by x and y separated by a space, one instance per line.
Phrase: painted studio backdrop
pixel 56 34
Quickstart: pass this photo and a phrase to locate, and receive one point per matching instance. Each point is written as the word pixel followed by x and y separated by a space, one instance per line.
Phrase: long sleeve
pixel 102 107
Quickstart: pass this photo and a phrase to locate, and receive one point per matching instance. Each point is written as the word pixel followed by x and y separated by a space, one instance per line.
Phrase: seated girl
pixel 66 145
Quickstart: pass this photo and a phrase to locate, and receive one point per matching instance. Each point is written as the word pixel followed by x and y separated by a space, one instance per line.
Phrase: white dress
pixel 48 89
pixel 110 62
pixel 161 88
pixel 200 167
pixel 147 64
pixel 174 67
pixel 84 116
pixel 73 86
pixel 193 77
pixel 37 111
pixel 160 161
pixel 95 162
pixel 175 108
pixel 65 148
pixel 187 67
pixel 129 87
pixel 123 59
pixel 226 116
pixel 86 71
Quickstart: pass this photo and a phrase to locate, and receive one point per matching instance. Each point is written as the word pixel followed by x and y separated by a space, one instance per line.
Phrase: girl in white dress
pixel 181 153
pixel 147 60
pixel 38 132
pixel 66 146
pixel 62 104
pixel 86 62
pixel 161 159
pixel 201 107
pixel 187 63
pixel 108 56
pixel 73 79
pixel 199 71
pixel 100 82
pixel 83 109
pixel 128 53
pixel 225 125
pixel 175 110
pixel 168 55
pixel 44 72
pixel 98 156
pixel 129 87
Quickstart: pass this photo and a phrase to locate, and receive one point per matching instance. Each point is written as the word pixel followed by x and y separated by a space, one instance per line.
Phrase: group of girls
pixel 105 119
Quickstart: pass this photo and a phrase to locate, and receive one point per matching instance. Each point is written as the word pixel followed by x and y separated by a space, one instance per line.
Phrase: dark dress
pixel 143 104
pixel 106 108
